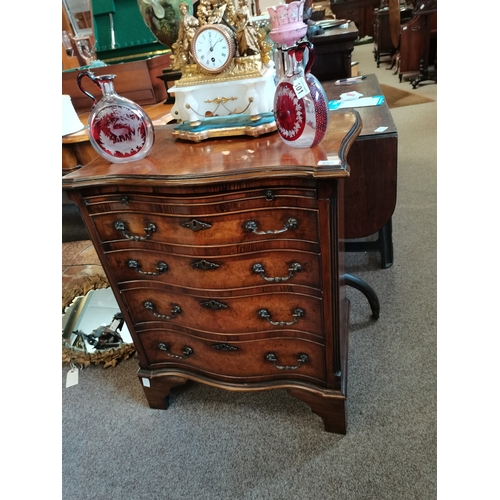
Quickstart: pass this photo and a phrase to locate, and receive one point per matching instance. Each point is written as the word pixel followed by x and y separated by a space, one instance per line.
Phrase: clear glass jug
pixel 300 103
pixel 119 129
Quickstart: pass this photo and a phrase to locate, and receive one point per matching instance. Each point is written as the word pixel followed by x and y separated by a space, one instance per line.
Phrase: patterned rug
pixel 397 98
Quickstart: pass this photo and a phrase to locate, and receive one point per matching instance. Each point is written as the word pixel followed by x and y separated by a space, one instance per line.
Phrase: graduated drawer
pixel 271 267
pixel 211 229
pixel 201 203
pixel 255 360
pixel 225 312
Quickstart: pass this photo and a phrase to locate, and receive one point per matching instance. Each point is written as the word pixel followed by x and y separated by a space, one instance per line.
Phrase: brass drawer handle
pixel 161 267
pixel 301 359
pixel 252 227
pixel 150 228
pixel 173 313
pixel 259 269
pixel 297 313
pixel 187 351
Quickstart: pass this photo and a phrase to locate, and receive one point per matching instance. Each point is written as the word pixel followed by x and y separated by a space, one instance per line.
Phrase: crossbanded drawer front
pixel 222 313
pixel 213 229
pixel 228 202
pixel 269 268
pixel 277 358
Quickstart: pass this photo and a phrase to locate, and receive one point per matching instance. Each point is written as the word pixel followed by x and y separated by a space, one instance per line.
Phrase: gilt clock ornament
pixel 119 129
pixel 227 73
pixel 213 48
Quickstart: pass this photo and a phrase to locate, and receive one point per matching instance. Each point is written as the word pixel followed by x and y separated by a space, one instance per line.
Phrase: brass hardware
pixel 204 265
pixel 301 359
pixel 252 227
pixel 269 195
pixel 187 351
pixel 174 312
pixel 214 304
pixel 224 347
pixel 259 269
pixel 150 228
pixel 161 267
pixel 196 225
pixel 297 313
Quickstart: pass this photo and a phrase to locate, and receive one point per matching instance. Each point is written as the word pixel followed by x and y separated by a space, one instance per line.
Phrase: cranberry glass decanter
pixel 300 102
pixel 119 129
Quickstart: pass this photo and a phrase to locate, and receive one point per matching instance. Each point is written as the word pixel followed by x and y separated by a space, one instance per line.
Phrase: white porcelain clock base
pixel 250 96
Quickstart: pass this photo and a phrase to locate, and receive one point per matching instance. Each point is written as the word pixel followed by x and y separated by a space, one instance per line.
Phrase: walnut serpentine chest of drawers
pixel 225 258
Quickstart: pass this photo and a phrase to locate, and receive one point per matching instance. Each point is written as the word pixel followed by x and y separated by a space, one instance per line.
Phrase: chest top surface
pixel 177 162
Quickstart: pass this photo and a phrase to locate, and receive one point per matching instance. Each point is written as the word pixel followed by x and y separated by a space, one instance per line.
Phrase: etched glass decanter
pixel 300 102
pixel 119 129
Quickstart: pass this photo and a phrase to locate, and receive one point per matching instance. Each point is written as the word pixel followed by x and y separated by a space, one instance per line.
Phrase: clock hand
pixel 212 47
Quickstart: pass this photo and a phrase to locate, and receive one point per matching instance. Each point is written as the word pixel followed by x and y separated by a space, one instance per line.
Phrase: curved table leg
pixel 157 389
pixel 367 290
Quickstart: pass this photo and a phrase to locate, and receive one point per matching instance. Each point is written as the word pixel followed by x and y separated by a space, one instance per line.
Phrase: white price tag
pixel 72 377
pixel 300 87
pixel 145 382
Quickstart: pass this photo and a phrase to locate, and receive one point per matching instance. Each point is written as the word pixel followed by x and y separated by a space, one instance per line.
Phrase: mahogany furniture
pixel 225 257
pixel 383 44
pixel 333 51
pixel 360 12
pixel 370 193
pixel 418 44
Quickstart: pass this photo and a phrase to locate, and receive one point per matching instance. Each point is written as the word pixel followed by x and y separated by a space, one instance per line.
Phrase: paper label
pixel 300 87
pixel 145 382
pixel 72 377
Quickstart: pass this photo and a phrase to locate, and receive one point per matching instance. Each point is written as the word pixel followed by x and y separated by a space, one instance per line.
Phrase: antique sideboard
pixel 226 260
pixel 360 12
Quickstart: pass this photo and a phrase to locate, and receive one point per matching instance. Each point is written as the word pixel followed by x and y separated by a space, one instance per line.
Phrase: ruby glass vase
pixel 300 102
pixel 119 129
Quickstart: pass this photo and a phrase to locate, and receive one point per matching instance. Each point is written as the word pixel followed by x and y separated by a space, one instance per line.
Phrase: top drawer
pixel 200 204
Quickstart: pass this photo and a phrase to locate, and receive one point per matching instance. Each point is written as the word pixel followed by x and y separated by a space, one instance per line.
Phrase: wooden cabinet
pixel 333 50
pixel 382 42
pixel 358 11
pixel 418 44
pixel 225 259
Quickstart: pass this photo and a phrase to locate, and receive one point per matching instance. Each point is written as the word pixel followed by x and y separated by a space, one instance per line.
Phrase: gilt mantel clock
pixel 228 80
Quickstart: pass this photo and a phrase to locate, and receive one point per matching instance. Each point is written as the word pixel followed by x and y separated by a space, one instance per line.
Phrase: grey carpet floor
pixel 213 444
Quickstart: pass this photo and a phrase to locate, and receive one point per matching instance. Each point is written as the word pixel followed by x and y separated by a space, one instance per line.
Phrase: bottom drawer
pixel 256 360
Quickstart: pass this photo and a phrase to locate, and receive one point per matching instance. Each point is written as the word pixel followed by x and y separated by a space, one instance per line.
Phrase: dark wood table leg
pixel 366 290
pixel 385 245
pixel 157 389
pixel 330 408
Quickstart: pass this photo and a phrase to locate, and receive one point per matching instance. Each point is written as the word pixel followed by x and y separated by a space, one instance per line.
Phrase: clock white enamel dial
pixel 213 47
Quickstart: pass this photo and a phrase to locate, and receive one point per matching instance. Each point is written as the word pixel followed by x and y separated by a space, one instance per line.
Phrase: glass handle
pixel 90 75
